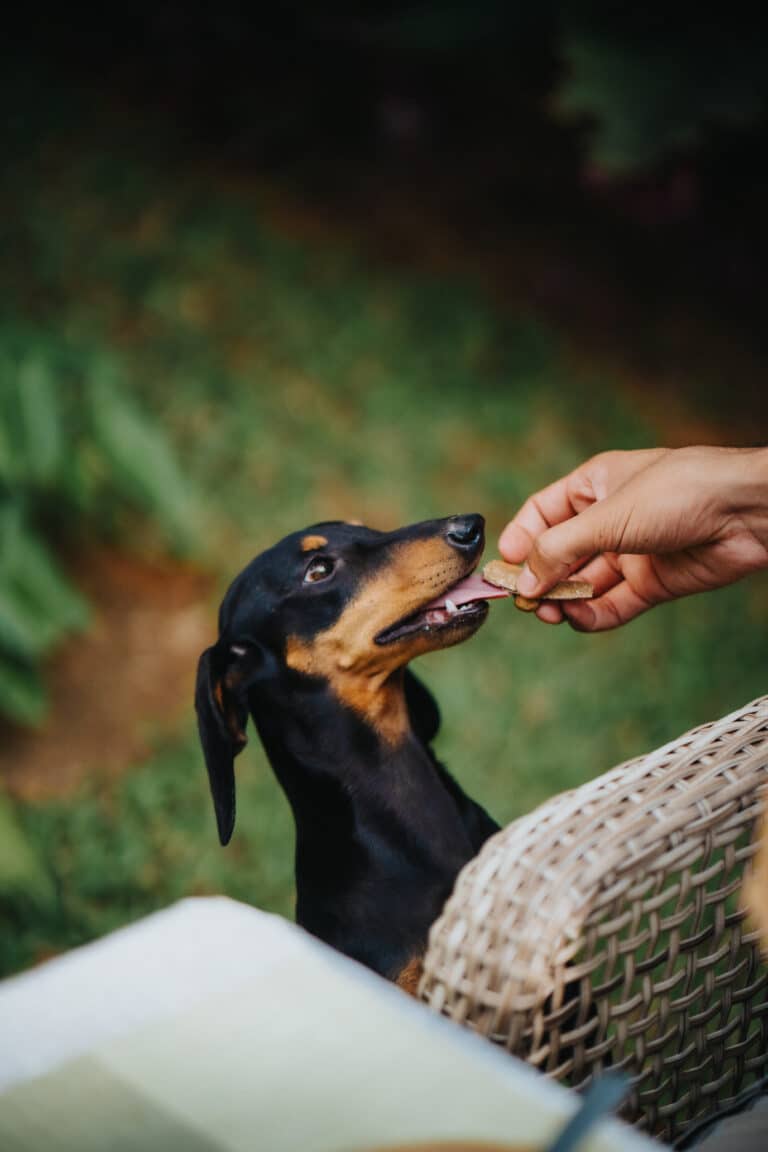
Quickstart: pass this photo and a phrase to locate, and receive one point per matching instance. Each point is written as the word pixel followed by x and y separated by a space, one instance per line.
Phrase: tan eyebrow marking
pixel 312 543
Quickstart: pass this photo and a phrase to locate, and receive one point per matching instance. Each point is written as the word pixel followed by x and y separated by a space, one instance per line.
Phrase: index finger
pixel 593 480
pixel 552 505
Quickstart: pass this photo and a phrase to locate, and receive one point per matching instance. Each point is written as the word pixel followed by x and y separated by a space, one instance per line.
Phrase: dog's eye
pixel 320 569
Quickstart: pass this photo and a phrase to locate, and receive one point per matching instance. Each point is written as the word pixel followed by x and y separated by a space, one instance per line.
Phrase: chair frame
pixel 606 928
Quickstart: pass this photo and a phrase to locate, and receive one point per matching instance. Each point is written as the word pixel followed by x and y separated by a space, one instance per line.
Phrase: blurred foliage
pixel 77 454
pixel 295 382
pixel 115 854
pixel 650 89
pixel 646 82
pixel 22 874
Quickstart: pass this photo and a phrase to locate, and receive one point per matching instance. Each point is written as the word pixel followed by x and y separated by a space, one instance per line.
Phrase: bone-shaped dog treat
pixel 505 575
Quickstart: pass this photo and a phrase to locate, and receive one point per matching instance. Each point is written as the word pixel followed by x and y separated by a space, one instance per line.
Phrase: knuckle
pixel 543 559
pixel 601 469
pixel 612 527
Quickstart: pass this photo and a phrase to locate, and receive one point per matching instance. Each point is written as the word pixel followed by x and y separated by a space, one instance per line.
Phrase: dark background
pixel 603 167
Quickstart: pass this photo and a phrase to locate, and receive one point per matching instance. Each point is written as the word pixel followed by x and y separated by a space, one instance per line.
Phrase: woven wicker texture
pixel 604 929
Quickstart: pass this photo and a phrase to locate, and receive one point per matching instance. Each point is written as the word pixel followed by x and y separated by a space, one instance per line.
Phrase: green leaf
pixel 22 692
pixel 9 439
pixel 21 871
pixel 140 459
pixel 41 419
pixel 46 589
pixel 37 603
pixel 16 637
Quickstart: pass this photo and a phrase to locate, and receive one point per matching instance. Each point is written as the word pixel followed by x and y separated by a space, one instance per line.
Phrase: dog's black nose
pixel 466 532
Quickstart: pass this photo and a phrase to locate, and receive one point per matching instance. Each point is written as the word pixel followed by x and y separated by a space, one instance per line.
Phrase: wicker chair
pixel 605 929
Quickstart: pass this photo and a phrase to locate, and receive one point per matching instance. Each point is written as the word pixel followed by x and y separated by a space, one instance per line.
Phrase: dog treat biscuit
pixel 505 575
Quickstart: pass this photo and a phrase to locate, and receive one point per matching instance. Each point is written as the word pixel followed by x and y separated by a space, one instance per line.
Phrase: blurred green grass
pixel 297 382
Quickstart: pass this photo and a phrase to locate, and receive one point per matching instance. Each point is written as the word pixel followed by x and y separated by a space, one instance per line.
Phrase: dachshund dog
pixel 315 636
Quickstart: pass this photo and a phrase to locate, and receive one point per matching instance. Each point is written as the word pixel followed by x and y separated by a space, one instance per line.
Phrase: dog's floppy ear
pixel 224 675
pixel 422 708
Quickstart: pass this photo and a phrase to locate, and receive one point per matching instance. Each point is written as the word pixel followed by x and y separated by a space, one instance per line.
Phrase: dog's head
pixel 345 605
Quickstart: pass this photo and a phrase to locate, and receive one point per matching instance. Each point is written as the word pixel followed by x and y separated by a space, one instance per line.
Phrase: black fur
pixel 382 829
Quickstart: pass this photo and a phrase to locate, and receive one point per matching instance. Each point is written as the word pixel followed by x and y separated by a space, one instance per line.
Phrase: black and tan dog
pixel 314 639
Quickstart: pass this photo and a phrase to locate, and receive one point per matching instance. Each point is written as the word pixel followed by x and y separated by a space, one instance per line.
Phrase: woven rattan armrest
pixel 605 929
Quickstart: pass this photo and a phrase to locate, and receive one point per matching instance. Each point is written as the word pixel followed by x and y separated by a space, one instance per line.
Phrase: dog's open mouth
pixel 462 604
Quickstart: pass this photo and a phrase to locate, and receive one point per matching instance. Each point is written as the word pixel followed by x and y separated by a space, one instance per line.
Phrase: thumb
pixel 555 553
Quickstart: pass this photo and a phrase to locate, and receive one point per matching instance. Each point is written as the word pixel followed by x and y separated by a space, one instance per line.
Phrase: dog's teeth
pixel 451 607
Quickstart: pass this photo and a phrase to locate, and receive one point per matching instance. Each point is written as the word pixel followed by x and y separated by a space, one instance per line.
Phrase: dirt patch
pixel 118 687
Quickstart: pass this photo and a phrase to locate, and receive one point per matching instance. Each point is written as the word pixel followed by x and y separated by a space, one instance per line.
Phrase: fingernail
pixel 527 582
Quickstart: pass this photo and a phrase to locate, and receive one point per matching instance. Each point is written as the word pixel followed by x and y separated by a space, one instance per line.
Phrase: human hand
pixel 643 527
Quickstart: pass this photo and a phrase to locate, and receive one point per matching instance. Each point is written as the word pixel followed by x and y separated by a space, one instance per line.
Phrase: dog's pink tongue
pixel 474 587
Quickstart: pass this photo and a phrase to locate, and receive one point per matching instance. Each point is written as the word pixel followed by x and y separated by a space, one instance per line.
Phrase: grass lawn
pixel 299 383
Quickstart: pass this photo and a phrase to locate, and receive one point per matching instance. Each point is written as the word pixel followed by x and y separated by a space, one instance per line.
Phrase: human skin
pixel 643 527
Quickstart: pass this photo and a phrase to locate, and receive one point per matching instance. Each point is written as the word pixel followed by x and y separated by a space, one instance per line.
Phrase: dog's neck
pixel 375 822
pixel 372 692
pixel 311 736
